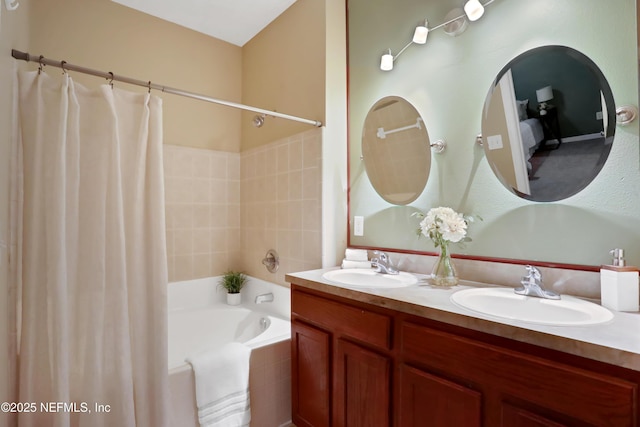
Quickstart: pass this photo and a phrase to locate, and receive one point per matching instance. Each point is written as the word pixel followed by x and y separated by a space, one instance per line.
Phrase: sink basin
pixel 368 278
pixel 504 303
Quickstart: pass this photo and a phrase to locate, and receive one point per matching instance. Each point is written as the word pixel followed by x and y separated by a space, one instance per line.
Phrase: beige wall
pixel 107 36
pixel 284 70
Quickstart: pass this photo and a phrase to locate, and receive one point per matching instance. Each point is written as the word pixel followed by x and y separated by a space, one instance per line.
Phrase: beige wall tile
pixel 183 267
pixel 286 206
pixel 225 210
pixel 201 203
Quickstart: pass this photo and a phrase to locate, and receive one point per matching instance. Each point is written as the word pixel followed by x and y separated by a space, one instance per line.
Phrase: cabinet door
pixel 361 386
pixel 311 375
pixel 428 400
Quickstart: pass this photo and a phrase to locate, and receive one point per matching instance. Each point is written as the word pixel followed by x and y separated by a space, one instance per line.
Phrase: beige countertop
pixel 616 342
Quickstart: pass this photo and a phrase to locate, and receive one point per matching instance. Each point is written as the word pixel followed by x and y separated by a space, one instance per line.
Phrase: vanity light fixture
pixel 421 33
pixel 473 10
pixel 386 62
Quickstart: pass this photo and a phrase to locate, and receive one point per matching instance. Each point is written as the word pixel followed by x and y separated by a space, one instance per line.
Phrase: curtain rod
pixel 113 77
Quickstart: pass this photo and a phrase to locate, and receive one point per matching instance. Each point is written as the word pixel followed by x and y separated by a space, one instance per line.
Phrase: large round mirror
pixel 548 123
pixel 396 150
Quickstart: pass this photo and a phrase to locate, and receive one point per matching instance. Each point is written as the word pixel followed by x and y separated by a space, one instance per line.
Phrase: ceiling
pixel 234 21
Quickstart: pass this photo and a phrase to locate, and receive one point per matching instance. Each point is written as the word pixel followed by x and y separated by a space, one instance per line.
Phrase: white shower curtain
pixel 93 337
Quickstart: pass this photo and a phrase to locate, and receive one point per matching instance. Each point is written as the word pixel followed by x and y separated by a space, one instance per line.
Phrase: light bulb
pixel 386 62
pixel 421 33
pixel 474 10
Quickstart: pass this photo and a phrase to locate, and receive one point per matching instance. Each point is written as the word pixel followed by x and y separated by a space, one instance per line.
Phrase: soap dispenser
pixel 619 284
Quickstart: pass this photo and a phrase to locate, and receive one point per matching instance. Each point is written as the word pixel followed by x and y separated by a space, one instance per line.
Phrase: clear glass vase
pixel 444 271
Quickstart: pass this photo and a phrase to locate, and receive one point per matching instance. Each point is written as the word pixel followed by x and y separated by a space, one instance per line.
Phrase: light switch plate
pixel 358 226
pixel 494 142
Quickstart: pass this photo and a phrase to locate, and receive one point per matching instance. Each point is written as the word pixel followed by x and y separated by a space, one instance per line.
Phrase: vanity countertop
pixel 616 342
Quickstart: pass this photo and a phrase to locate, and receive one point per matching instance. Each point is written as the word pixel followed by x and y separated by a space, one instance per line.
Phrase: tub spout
pixel 264 298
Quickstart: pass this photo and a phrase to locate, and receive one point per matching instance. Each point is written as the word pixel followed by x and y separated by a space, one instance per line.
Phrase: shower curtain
pixel 92 311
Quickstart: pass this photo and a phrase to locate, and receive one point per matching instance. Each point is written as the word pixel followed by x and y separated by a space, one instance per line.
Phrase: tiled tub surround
pixel 202 198
pixel 616 342
pixel 281 205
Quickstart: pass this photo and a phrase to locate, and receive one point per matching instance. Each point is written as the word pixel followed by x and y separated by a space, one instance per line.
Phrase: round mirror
pixel 396 150
pixel 548 123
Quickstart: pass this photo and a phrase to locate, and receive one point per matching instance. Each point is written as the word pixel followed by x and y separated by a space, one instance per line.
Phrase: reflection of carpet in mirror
pixel 558 174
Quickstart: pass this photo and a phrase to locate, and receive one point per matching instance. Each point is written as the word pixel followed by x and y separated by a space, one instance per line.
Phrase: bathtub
pixel 200 320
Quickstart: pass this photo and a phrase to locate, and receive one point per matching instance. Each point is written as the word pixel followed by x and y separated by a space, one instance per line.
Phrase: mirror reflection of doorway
pixel 556 111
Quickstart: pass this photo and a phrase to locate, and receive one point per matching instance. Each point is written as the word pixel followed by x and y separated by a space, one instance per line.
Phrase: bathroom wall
pixel 283 70
pixel 202 193
pixel 281 205
pixel 14 30
pixel 107 36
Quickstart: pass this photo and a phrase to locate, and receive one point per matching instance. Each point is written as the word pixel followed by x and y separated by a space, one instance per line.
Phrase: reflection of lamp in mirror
pixel 545 94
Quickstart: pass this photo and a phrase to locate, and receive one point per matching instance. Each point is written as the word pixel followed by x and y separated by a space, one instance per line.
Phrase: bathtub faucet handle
pixel 264 298
pixel 271 261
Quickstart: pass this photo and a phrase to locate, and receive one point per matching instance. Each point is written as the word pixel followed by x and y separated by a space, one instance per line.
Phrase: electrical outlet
pixel 599 115
pixel 358 226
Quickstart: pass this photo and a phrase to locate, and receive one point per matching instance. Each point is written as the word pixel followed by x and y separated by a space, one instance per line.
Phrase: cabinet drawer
pixel 591 397
pixel 342 319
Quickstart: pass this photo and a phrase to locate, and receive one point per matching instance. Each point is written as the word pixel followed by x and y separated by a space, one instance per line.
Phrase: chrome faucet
pixel 382 263
pixel 264 298
pixel 532 285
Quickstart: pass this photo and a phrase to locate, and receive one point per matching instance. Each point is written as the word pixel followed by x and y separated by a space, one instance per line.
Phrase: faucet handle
pixel 533 273
pixel 383 256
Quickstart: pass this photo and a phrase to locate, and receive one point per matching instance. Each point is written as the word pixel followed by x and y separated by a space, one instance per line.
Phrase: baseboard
pixel 577 138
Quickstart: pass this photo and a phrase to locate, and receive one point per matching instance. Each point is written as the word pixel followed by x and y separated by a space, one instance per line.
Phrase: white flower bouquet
pixel 444 225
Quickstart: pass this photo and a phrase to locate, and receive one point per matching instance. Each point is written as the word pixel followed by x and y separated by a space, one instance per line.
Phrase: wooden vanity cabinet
pixel 357 364
pixel 348 348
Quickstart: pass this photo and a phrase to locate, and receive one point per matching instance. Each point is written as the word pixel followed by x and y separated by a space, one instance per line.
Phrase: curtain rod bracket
pixel 10 6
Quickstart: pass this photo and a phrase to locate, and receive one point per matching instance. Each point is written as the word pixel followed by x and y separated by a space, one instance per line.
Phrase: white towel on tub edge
pixel 222 386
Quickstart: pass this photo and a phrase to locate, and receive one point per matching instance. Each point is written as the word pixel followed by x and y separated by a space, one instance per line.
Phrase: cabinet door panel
pixel 428 400
pixel 361 385
pixel 311 375
pixel 514 416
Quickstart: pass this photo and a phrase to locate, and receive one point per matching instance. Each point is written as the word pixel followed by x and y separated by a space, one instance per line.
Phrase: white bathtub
pixel 200 320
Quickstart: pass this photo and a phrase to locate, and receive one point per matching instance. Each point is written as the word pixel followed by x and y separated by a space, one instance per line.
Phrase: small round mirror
pixel 396 150
pixel 548 123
